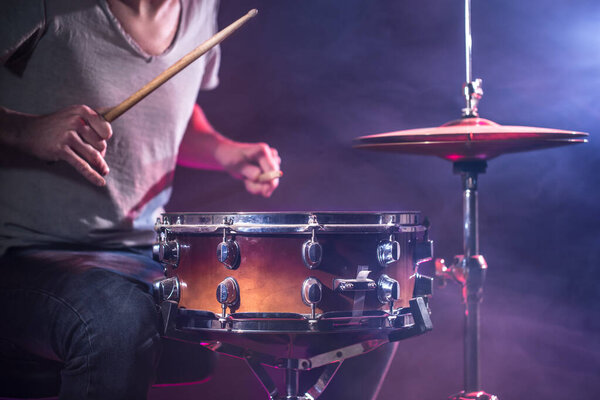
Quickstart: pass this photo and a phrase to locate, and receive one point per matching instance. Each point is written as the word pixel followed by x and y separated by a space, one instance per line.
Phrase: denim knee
pixel 117 341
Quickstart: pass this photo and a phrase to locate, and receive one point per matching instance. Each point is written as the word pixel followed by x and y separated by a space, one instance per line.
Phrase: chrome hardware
pixel 423 252
pixel 293 223
pixel 388 251
pixel 312 293
pixel 478 395
pixel 423 286
pixel 167 290
pixel 167 253
pixel 361 283
pixel 453 272
pixel 228 252
pixel 473 92
pixel 469 272
pixel 228 294
pixel 312 252
pixel 388 290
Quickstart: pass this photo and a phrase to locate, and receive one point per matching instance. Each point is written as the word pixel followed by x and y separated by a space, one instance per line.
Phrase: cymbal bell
pixel 469 139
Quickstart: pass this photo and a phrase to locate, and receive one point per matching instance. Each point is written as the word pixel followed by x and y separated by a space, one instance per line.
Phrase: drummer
pixel 80 196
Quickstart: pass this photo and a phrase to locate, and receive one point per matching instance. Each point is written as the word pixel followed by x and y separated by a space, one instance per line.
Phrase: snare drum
pixel 293 290
pixel 301 263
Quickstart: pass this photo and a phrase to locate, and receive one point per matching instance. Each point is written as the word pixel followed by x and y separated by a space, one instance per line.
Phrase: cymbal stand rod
pixel 474 267
pixel 468 41
pixel 471 89
pixel 470 214
pixel 471 247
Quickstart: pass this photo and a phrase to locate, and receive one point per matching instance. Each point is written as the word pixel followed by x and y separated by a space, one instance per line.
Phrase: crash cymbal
pixel 470 139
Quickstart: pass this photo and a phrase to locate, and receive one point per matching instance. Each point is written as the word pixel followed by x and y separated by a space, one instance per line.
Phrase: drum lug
pixel 228 294
pixel 167 252
pixel 312 252
pixel 388 251
pixel 388 290
pixel 312 293
pixel 168 289
pixel 228 253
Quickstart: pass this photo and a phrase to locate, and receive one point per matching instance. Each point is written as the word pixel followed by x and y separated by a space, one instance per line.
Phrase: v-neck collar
pixel 131 41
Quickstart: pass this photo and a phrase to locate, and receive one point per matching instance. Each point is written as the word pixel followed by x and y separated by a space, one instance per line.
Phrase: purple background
pixel 310 76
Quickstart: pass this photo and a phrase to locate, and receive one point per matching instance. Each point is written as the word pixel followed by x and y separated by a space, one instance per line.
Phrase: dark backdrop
pixel 310 76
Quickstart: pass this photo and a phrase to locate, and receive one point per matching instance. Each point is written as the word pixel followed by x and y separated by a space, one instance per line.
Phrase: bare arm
pixel 203 147
pixel 76 134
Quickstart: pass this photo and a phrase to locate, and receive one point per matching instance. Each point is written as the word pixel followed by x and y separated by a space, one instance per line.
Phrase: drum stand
pixel 331 361
pixel 292 378
pixel 469 271
pixel 408 322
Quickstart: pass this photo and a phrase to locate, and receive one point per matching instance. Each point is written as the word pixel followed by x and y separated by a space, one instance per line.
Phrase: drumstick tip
pixel 252 12
pixel 269 176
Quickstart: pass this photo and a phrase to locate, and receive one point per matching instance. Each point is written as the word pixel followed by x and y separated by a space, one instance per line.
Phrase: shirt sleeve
pixel 20 21
pixel 210 78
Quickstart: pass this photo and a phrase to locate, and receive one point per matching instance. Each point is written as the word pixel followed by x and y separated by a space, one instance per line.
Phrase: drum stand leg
pixel 292 377
pixel 318 388
pixel 469 270
pixel 262 376
pixel 292 381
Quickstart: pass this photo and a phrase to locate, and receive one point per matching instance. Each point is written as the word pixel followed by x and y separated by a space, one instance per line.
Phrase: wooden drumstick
pixel 268 176
pixel 186 60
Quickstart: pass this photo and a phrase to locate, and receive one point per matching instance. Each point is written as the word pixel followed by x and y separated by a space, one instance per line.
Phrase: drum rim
pixel 286 323
pixel 291 222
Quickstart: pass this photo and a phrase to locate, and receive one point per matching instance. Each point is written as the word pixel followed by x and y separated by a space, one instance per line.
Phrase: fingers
pixel 98 124
pixel 91 137
pixel 263 189
pixel 250 172
pixel 88 153
pixel 82 167
pixel 266 158
pixel 269 161
pixel 86 144
pixel 75 134
pixel 261 161
pixel 275 154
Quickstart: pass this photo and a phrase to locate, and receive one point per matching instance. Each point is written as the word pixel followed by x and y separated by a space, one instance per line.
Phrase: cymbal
pixel 469 139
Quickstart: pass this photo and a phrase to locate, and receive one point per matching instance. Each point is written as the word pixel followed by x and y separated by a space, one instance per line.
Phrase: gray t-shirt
pixel 85 57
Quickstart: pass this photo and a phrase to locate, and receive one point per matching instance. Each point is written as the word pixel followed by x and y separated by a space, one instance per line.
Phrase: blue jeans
pixel 92 315
pixel 91 312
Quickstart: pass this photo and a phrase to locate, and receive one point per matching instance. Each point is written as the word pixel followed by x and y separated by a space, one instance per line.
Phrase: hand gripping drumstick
pixel 174 69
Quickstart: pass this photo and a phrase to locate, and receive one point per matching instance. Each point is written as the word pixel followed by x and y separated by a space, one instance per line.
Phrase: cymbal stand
pixel 469 271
